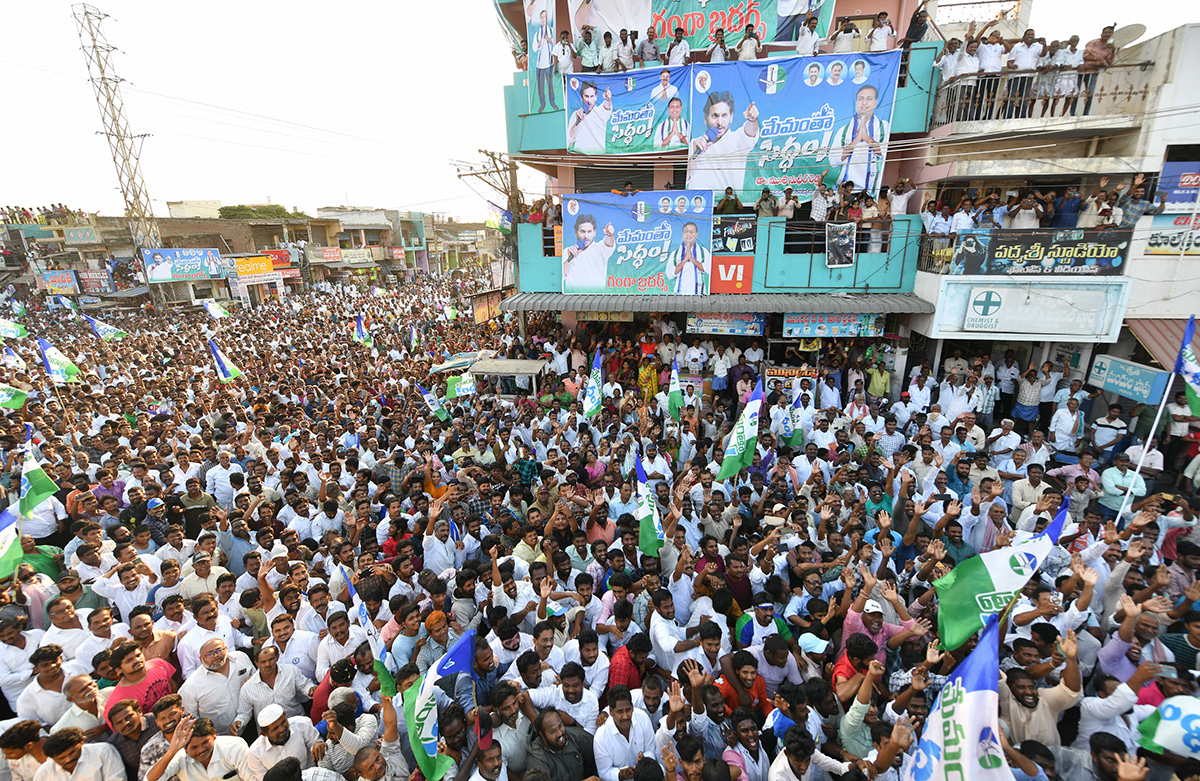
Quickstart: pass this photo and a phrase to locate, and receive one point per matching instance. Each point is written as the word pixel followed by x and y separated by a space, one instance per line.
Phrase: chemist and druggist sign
pixel 643 110
pixel 655 242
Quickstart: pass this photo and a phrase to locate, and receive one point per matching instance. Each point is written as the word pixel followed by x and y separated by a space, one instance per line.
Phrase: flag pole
pixel 1128 498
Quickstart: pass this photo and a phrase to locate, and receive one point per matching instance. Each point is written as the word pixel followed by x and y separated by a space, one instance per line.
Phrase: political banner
pixel 839 244
pixel 772 20
pixel 807 326
pixel 644 110
pixel 1075 252
pixel 792 122
pixel 654 242
pixel 1180 182
pixel 95 280
pixel 61 282
pixel 733 234
pixel 1172 234
pixel 182 265
pixel 544 80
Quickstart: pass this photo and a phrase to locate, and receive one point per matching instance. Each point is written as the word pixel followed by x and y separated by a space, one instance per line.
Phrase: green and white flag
pixel 742 442
pixel 226 371
pixel 12 398
pixel 651 537
pixel 104 331
pixel 36 485
pixel 1187 367
pixel 361 334
pixel 58 366
pixel 593 392
pixel 11 330
pixel 793 425
pixel 215 310
pixel 1173 727
pixel 421 711
pixel 985 584
pixel 675 392
pixel 19 309
pixel 434 405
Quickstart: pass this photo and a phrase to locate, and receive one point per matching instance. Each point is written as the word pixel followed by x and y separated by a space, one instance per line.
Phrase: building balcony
pixel 1067 101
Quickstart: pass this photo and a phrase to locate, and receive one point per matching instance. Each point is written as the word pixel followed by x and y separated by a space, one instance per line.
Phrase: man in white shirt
pixel 217 480
pixel 843 37
pixel 585 265
pixel 564 54
pixel 680 50
pixel 1023 58
pixel 570 696
pixel 808 43
pixel 667 638
pixel 719 156
pixel 1064 430
pixel 71 759
pixel 198 753
pixel 281 737
pixel 880 33
pixel 212 690
pixel 626 737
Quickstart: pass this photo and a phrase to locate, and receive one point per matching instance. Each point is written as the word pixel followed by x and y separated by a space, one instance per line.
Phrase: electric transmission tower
pixel 125 146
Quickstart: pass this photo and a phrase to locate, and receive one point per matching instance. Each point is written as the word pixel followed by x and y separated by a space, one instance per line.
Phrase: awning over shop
pixel 130 293
pixel 839 303
pixel 509 367
pixel 1161 338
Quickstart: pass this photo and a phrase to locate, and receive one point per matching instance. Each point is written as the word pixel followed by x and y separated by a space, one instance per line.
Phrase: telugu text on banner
pixel 643 110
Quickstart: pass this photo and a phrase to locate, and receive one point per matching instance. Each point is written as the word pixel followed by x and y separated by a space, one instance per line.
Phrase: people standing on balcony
pixel 718 52
pixel 992 52
pixel 985 215
pixel 625 52
pixel 1089 214
pixel 750 46
pixel 1046 220
pixel 1027 214
pixel 1043 83
pixel 766 204
pixel 843 37
pixel 918 27
pixel 1098 53
pixel 1067 62
pixel 965 103
pixel 1022 57
pixel 870 220
pixel 880 33
pixel 822 200
pixel 790 205
pixel 808 43
pixel 1066 209
pixel 947 59
pixel 589 53
pixel 680 50
pixel 564 54
pixel 1135 206
pixel 608 55
pixel 964 218
pixel 1112 215
pixel 730 204
pixel 649 53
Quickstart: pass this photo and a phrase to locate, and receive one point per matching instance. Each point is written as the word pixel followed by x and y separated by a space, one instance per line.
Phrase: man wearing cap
pixel 866 617
pixel 281 737
pixel 203 578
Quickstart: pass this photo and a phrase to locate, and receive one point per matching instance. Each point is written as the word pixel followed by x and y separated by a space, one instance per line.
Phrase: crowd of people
pixel 54 214
pixel 200 597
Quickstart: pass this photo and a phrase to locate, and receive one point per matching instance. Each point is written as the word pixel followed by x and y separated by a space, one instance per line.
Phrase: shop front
pixel 256 280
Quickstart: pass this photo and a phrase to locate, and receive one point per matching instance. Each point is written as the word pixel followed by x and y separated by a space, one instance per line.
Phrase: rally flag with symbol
pixel 1172 727
pixel 961 738
pixel 387 684
pixel 36 485
pixel 420 706
pixel 361 334
pixel 14 361
pixel 434 405
pixel 742 442
pixel 651 536
pixel 498 218
pixel 57 366
pixel 226 371
pixel 793 422
pixel 104 331
pixel 1187 367
pixel 215 310
pixel 593 393
pixel 12 398
pixel 11 330
pixel 414 340
pixel 675 392
pixel 20 309
pixel 10 540
pixel 466 384
pixel 68 304
pixel 985 584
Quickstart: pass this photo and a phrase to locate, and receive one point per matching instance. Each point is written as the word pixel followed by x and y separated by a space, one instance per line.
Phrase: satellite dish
pixel 1126 35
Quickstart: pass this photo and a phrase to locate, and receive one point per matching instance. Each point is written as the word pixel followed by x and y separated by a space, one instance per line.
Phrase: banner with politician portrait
pixel 792 122
pixel 654 242
pixel 643 110
pixel 544 79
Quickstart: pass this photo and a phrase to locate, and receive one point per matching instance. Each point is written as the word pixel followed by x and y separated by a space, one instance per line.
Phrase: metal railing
pixel 1118 90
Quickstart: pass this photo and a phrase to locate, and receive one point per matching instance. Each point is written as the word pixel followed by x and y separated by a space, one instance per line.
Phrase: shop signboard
pixel 60 282
pixel 254 265
pixel 81 234
pixel 1066 309
pixel 649 243
pixel 1074 252
pixel 733 233
pixel 807 326
pixel 279 257
pixel 788 375
pixel 1170 234
pixel 95 280
pixel 604 317
pixel 182 265
pixel 362 255
pixel 732 274
pixel 1180 182
pixel 726 324
pixel 1136 381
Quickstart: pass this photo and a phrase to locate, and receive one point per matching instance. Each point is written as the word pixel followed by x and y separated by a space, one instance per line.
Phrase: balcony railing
pixel 1118 90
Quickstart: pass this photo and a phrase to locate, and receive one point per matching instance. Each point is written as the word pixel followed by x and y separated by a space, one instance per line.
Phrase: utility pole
pixel 124 146
pixel 500 173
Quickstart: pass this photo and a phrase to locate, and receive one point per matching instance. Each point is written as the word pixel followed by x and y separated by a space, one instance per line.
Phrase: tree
pixel 269 211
